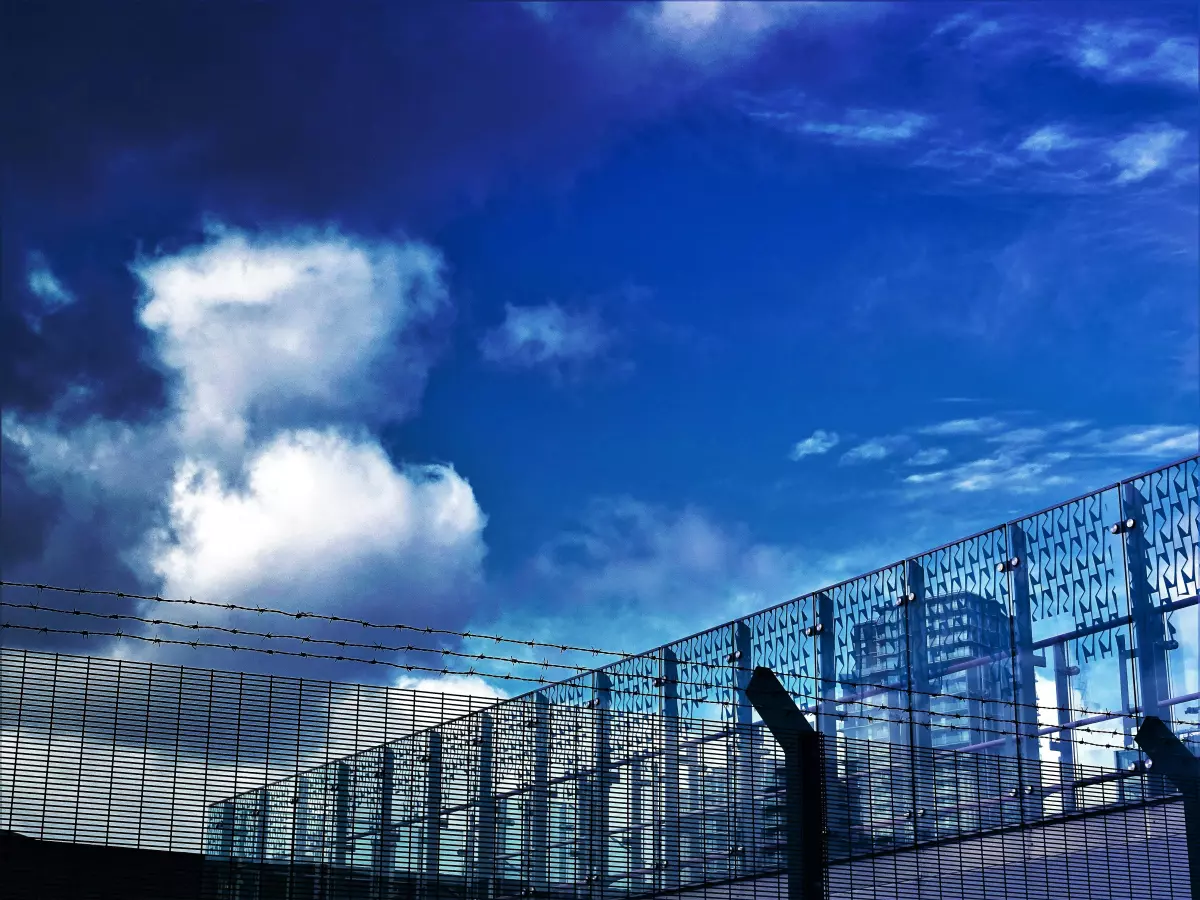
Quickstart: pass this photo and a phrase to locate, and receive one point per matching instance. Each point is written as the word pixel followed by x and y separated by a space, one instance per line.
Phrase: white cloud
pixel 1129 51
pixel 45 285
pixel 317 513
pixel 862 126
pixel 956 427
pixel 1048 139
pixel 549 335
pixel 816 444
pixel 1132 53
pixel 873 450
pixel 1164 443
pixel 1143 153
pixel 280 330
pixel 929 456
pixel 723 32
pixel 261 478
pixel 455 686
pixel 1004 471
pixel 1028 460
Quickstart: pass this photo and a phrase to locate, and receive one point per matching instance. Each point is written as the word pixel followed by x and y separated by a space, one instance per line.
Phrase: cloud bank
pixel 262 479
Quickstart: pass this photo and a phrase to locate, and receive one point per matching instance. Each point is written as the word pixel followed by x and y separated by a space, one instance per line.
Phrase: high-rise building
pixel 961 648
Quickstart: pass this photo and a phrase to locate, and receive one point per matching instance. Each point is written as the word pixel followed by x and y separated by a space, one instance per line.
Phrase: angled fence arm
pixel 1172 761
pixel 805 825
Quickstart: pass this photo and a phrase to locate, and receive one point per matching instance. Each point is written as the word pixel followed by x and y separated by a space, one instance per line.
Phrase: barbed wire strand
pixel 410 667
pixel 544 664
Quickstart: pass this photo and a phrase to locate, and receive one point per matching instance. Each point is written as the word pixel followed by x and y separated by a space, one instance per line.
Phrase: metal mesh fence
pixel 977 704
pixel 641 805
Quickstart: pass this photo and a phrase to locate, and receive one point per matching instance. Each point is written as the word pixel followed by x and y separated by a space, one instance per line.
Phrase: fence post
pixel 1025 676
pixel 485 842
pixel 598 799
pixel 537 830
pixel 1173 761
pixel 1149 634
pixel 385 845
pixel 921 758
pixel 669 856
pixel 740 758
pixel 433 814
pixel 803 752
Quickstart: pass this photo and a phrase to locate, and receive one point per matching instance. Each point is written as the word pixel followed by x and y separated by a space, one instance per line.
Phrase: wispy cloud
pixel 864 126
pixel 874 450
pixel 1056 156
pixel 953 427
pixel 1133 53
pixel 1145 152
pixel 929 456
pixel 52 295
pixel 546 335
pixel 1113 52
pixel 816 444
pixel 1026 460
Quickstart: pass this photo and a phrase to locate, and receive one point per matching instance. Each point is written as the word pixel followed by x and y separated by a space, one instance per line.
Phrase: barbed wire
pixel 447 671
pixel 320 617
pixel 301 638
pixel 307 639
pixel 544 664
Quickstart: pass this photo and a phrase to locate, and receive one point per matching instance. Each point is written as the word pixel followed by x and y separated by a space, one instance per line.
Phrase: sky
pixel 595 323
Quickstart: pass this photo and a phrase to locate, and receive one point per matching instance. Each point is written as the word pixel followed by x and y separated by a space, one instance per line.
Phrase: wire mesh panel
pixel 1075 663
pixel 1162 545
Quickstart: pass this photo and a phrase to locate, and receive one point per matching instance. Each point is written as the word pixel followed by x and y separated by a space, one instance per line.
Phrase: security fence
pixel 993 683
pixel 977 706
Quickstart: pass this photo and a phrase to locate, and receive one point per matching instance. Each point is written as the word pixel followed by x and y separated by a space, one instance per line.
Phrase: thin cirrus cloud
pixel 547 335
pixel 929 456
pixel 1130 51
pixel 874 450
pixel 818 443
pixel 1026 460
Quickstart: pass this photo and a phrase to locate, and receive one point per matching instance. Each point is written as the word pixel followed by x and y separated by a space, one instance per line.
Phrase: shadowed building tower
pixel 967 655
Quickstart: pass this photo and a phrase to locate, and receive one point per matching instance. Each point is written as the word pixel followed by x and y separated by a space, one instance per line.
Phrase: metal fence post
pixel 485 842
pixel 740 759
pixel 598 799
pixel 668 851
pixel 1173 761
pixel 537 824
pixel 1149 634
pixel 803 751
pixel 921 759
pixel 433 814
pixel 386 844
pixel 1024 676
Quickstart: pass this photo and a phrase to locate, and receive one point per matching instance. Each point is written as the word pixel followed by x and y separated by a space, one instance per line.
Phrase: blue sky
pixel 595 322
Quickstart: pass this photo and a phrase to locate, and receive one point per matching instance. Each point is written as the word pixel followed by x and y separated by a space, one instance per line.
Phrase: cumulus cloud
pixel 816 444
pixel 320 512
pixel 280 330
pixel 545 335
pixel 262 478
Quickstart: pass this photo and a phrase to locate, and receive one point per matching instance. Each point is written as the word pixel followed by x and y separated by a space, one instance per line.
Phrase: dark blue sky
pixel 597 321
